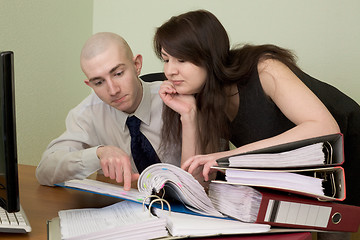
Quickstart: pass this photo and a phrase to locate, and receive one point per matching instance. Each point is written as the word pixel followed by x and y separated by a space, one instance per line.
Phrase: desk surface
pixel 42 203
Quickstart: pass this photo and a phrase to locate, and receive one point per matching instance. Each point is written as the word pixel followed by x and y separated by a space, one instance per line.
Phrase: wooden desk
pixel 42 203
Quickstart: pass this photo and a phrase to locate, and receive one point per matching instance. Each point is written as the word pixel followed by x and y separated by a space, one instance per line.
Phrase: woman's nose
pixel 171 68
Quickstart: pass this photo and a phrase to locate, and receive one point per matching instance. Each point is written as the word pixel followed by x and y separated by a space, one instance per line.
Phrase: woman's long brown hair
pixel 199 37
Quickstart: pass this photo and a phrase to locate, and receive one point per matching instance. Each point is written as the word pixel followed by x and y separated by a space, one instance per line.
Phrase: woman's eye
pixel 181 60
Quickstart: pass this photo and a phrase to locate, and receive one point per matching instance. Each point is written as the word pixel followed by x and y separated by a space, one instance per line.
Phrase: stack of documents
pixel 283 210
pixel 237 201
pixel 178 185
pixel 107 189
pixel 307 156
pixel 309 167
pixel 171 180
pixel 185 225
pixel 282 186
pixel 123 220
pixel 286 181
pixel 241 204
pixel 324 151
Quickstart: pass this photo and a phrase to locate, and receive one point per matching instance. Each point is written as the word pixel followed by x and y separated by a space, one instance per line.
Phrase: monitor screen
pixel 9 185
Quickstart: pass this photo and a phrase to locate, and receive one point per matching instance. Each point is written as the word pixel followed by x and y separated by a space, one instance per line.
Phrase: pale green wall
pixel 325 34
pixel 46 37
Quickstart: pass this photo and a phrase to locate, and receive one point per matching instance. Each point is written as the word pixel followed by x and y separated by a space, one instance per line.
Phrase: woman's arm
pixel 189 135
pixel 297 102
pixel 184 105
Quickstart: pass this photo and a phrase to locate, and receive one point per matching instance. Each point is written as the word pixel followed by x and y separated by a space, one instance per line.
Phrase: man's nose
pixel 113 87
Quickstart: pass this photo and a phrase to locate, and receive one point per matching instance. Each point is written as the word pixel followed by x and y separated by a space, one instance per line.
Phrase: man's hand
pixel 115 164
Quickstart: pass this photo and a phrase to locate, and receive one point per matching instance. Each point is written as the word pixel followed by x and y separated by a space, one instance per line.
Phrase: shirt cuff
pixel 91 162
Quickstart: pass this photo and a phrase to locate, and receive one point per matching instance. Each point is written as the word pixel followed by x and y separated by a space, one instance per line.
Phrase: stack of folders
pixel 123 220
pixel 290 185
pixel 172 195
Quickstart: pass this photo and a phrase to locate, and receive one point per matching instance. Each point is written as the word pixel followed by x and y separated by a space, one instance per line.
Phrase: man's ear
pixel 87 82
pixel 138 63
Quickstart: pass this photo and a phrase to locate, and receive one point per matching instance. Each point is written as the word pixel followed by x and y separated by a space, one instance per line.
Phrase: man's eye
pixel 98 83
pixel 119 73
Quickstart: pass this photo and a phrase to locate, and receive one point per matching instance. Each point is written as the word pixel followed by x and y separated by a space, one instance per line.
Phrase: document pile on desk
pixel 191 213
pixel 230 207
pixel 128 220
pixel 123 220
pixel 260 188
pixel 162 177
pixel 280 209
pixel 321 177
pixel 185 225
pixel 307 156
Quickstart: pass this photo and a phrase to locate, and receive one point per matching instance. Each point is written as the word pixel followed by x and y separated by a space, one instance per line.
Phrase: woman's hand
pixel 204 162
pixel 182 104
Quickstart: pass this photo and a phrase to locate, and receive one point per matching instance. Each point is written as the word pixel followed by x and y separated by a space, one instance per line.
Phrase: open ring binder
pixel 158 199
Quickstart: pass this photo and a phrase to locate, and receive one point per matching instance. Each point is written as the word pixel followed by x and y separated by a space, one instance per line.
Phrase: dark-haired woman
pixel 251 96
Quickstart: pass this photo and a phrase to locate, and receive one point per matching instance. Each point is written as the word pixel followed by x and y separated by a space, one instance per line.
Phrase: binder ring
pixel 155 196
pixel 332 183
pixel 162 206
pixel 328 151
pixel 163 191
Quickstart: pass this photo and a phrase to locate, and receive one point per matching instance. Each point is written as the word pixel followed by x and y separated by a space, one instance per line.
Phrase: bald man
pixel 96 135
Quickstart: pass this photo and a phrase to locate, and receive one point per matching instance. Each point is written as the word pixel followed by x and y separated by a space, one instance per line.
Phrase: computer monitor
pixel 9 184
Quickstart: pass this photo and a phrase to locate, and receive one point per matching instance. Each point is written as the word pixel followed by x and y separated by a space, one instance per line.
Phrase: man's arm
pixel 64 160
pixel 73 154
pixel 76 154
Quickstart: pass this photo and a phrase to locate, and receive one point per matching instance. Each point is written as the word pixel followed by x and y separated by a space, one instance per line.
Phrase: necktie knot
pixel 133 124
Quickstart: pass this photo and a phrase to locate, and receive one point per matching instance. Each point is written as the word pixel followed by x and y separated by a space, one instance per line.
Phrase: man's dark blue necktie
pixel 143 153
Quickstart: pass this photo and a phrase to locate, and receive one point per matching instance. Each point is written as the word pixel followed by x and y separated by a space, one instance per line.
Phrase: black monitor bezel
pixel 7 95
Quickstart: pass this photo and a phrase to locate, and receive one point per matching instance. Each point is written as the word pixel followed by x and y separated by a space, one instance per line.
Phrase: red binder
pixel 331 171
pixel 333 149
pixel 284 210
pixel 335 188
